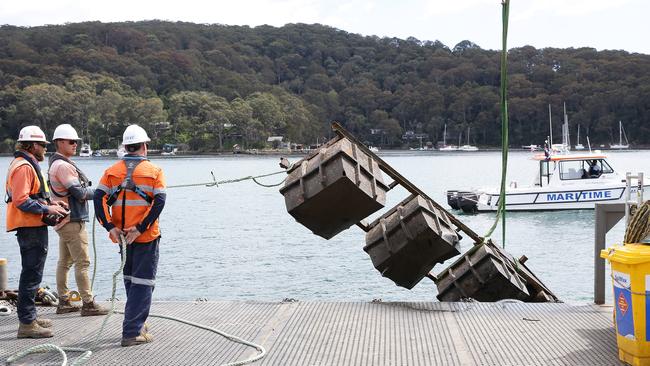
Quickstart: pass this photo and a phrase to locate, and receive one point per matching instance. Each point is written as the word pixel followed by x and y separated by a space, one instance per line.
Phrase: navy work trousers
pixel 33 252
pixel 139 280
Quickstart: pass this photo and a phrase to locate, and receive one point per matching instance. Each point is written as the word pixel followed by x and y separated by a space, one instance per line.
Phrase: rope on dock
pixel 261 349
pixel 639 226
pixel 48 347
pixel 87 353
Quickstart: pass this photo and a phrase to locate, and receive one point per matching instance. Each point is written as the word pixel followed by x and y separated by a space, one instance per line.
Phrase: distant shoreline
pixel 273 152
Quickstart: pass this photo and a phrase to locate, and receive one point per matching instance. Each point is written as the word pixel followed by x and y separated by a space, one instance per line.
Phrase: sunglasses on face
pixel 42 144
pixel 72 142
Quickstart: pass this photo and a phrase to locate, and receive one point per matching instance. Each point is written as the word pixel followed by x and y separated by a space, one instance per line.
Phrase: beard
pixel 40 156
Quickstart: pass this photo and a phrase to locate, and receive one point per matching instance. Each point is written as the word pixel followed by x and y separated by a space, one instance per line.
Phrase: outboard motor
pixel 468 202
pixel 452 199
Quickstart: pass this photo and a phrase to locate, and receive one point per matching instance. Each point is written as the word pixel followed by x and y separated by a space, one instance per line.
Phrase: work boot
pixel 65 306
pixel 142 338
pixel 44 323
pixel 33 330
pixel 92 308
pixel 145 328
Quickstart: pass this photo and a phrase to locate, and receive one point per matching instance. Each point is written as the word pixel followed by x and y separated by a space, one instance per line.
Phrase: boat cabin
pixel 571 168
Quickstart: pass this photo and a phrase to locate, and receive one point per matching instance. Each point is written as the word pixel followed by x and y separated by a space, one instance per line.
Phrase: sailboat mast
pixel 550 126
pixel 444 137
pixel 565 129
pixel 620 133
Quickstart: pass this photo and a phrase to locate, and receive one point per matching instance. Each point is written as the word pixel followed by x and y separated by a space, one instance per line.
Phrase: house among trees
pixel 276 142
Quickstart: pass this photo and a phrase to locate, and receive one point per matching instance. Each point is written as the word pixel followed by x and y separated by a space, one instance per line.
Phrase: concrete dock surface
pixel 342 333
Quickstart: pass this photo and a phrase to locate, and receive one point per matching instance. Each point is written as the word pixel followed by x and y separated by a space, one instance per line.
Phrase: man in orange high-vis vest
pixel 128 201
pixel 27 202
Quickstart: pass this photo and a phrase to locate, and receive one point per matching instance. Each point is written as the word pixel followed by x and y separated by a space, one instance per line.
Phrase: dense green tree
pixel 211 86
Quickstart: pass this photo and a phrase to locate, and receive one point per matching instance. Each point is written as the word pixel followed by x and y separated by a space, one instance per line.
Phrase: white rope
pixel 261 349
pixel 215 183
pixel 87 353
pixel 5 310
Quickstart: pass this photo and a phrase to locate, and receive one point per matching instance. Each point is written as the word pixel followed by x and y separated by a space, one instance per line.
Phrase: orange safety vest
pixel 148 178
pixel 16 217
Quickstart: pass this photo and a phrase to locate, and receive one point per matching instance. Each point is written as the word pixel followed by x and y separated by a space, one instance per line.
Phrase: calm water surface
pixel 237 242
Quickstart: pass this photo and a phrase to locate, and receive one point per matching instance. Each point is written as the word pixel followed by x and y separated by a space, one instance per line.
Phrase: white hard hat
pixel 134 134
pixel 65 132
pixel 32 134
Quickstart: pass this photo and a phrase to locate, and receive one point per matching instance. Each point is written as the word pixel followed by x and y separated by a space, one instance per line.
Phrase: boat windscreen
pixel 606 168
pixel 572 169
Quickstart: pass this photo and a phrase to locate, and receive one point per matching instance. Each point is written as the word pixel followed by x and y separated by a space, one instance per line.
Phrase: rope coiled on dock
pixel 639 226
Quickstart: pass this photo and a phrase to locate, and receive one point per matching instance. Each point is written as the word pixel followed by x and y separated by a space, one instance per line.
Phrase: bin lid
pixel 627 254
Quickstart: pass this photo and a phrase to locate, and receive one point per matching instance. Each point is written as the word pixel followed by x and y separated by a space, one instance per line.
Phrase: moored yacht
pixel 468 146
pixel 621 134
pixel 444 146
pixel 578 146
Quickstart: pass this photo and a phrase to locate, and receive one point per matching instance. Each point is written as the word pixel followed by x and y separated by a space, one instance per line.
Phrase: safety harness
pixel 128 183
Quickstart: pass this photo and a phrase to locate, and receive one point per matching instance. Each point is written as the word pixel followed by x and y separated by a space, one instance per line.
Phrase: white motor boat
pixel 121 151
pixel 169 150
pixel 85 151
pixel 561 182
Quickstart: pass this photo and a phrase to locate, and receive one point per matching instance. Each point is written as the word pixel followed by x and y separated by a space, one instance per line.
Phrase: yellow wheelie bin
pixel 631 282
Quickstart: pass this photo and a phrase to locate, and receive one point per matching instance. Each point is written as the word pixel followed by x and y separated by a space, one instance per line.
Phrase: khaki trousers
pixel 73 249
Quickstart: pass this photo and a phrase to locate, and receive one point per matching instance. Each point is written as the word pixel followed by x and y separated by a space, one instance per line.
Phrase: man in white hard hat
pixel 70 185
pixel 29 210
pixel 128 201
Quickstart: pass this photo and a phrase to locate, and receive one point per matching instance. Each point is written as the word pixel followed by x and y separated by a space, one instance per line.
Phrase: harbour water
pixel 237 242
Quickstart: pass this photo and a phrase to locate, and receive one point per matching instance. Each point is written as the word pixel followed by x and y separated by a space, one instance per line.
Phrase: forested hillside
pixel 212 86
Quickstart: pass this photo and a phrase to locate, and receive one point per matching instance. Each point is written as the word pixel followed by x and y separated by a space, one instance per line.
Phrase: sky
pixel 600 24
